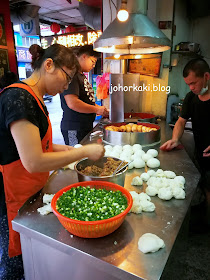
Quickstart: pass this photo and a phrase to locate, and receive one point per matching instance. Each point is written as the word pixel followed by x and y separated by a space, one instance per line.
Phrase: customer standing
pixel 27 153
pixel 78 102
pixel 196 106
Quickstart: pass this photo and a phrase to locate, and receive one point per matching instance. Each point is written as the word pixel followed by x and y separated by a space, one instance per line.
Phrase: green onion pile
pixel 90 204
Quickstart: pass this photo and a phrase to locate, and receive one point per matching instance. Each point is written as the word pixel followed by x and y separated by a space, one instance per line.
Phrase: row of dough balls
pixel 141 203
pixel 131 127
pixel 165 184
pixel 134 154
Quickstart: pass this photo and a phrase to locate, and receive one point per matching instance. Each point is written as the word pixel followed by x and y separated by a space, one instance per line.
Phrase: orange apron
pixel 19 184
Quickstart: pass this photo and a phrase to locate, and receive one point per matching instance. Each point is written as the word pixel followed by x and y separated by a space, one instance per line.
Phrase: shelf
pixel 187 53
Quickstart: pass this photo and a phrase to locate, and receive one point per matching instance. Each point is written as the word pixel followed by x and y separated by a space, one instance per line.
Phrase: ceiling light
pixel 117 56
pixel 122 14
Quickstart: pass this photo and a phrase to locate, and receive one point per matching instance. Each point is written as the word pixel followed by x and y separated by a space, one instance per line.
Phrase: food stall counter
pixel 51 252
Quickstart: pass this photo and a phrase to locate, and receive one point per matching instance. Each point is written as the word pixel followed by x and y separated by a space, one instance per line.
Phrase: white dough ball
pixel 170 174
pixel 145 176
pixel 107 147
pixel 125 147
pixel 136 147
pixel 144 196
pixel 151 191
pixel 178 193
pixel 152 152
pixel 180 179
pixel 139 153
pixel 149 242
pixel 138 163
pixel 131 165
pixel 137 181
pixel 146 157
pixel 165 193
pixel 160 173
pixel 117 148
pixel 147 206
pixel 77 146
pixel 151 173
pixel 153 163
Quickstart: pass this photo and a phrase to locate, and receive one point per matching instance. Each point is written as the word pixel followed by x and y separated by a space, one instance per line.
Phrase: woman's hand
pixel 94 151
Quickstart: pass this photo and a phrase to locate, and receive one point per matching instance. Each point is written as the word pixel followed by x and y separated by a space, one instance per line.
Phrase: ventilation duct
pixel 24 14
pixel 137 35
pixel 91 16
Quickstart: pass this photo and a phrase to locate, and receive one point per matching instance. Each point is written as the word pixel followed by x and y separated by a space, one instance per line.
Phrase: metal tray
pixel 131 138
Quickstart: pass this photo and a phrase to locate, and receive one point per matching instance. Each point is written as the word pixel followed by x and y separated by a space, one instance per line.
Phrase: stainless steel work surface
pixel 118 252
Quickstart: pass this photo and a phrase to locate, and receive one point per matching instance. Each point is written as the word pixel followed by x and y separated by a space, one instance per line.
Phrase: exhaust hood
pixel 137 35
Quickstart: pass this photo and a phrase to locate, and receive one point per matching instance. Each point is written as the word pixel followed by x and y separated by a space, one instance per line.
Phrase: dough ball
pixel 147 206
pixel 146 157
pixel 160 173
pixel 180 179
pixel 125 147
pixel 107 147
pixel 136 147
pixel 152 152
pixel 136 208
pixel 131 165
pixel 153 163
pixel 165 193
pixel 117 148
pixel 170 174
pixel 151 191
pixel 138 163
pixel 144 196
pixel 139 153
pixel 137 181
pixel 178 193
pixel 145 176
pixel 77 146
pixel 149 242
pixel 151 173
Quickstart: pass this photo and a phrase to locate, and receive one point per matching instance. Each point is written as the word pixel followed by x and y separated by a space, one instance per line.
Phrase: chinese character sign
pixel 71 40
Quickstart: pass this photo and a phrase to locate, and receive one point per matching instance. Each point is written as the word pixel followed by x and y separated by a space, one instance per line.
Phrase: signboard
pixel 71 40
pixel 145 66
pixel 3 41
pixel 23 54
pixel 4 62
pixel 30 28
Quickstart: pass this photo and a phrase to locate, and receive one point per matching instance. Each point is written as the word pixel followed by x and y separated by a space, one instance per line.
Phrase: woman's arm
pixel 60 148
pixel 28 143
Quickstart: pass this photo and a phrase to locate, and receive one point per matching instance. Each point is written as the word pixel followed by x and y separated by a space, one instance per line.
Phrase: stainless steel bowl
pixel 131 138
pixel 119 178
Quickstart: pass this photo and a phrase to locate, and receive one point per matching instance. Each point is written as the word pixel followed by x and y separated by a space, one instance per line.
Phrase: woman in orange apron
pixel 26 150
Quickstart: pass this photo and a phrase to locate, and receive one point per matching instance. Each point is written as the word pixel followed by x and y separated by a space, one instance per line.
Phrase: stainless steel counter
pixel 51 252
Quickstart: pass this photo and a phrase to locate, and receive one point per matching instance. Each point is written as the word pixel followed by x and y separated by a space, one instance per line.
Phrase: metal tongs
pixel 118 169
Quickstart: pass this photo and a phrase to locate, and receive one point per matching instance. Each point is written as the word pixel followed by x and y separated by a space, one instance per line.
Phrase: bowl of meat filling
pixel 103 169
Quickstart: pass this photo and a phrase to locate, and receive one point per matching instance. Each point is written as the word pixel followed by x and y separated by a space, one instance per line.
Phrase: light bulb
pixel 122 15
pixel 117 56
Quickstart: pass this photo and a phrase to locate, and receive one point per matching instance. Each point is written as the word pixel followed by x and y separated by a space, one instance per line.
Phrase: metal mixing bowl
pixel 119 178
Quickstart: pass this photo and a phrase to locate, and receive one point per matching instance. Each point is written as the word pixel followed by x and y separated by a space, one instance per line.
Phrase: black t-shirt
pixel 199 112
pixel 17 104
pixel 73 120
